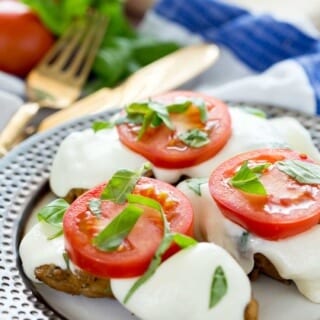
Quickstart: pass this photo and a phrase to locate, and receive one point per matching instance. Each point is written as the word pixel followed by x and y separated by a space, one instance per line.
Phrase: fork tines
pixel 71 57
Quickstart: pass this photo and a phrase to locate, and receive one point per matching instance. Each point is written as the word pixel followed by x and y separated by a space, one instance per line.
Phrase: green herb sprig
pixel 219 287
pixel 194 138
pixel 152 113
pixel 53 214
pixel 247 179
pixel 168 237
pixel 122 183
pixel 302 171
pixel 102 125
pixel 195 184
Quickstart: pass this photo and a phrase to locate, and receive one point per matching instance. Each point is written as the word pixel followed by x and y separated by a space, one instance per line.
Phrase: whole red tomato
pixel 23 38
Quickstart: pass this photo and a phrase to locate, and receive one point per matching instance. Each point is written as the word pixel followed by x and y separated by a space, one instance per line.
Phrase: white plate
pixel 23 182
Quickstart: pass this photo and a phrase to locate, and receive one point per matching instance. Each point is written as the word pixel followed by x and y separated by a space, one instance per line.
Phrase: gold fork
pixel 58 79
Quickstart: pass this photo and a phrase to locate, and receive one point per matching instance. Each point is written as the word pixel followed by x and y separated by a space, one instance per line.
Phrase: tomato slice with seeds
pixel 289 207
pixel 134 256
pixel 161 146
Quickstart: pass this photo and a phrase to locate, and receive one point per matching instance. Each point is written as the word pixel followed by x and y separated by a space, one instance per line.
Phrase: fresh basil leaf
pixel 95 207
pixel 147 50
pixel 152 113
pixel 183 241
pixel 144 201
pixel 112 236
pixel 302 171
pixel 243 242
pixel 141 108
pixel 256 112
pixel 202 109
pixel 248 181
pixel 122 183
pixel 132 118
pixel 117 230
pixel 179 107
pixel 195 184
pixel 66 259
pixel 168 237
pixel 260 167
pixel 163 247
pixel 53 215
pixel 194 138
pixel 53 212
pixel 161 112
pixel 57 234
pixel 101 125
pixel 253 187
pixel 147 120
pixel 156 261
pixel 219 287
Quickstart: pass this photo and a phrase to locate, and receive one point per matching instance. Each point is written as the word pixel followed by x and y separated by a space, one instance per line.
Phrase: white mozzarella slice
pixel 297 137
pixel 296 258
pixel 180 288
pixel 86 159
pixel 36 249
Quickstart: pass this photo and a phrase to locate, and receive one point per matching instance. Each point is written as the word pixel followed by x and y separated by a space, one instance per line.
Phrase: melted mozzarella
pixel 296 258
pixel 297 137
pixel 36 249
pixel 186 276
pixel 86 159
pixel 180 288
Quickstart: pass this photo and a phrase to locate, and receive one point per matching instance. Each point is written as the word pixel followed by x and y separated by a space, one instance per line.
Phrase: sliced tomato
pixel 134 256
pixel 289 207
pixel 160 145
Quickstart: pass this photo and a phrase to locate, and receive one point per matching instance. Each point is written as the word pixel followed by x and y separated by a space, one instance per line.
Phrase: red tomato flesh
pixel 160 145
pixel 289 207
pixel 23 38
pixel 134 256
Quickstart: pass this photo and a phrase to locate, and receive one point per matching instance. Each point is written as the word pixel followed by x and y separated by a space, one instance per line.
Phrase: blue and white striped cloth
pixel 263 59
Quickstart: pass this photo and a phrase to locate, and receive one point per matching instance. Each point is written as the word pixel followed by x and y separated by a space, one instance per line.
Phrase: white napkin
pixel 11 96
pixel 263 59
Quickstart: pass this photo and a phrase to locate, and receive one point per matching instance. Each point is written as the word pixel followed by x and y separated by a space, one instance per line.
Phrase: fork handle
pixel 16 125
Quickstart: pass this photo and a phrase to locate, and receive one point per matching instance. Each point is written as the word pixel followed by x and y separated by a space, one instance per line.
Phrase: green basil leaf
pixel 195 184
pixel 137 108
pixel 147 120
pixel 168 237
pixel 302 171
pixel 161 112
pixel 144 201
pixel 179 107
pixel 254 111
pixel 156 261
pixel 53 215
pixel 163 247
pixel 261 167
pixel 66 259
pixel 101 125
pixel 219 286
pixel 183 241
pixel 194 138
pixel 243 242
pixel 112 236
pixel 253 187
pixel 95 207
pixel 122 183
pixel 130 118
pixel 248 181
pixel 202 109
pixel 53 212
